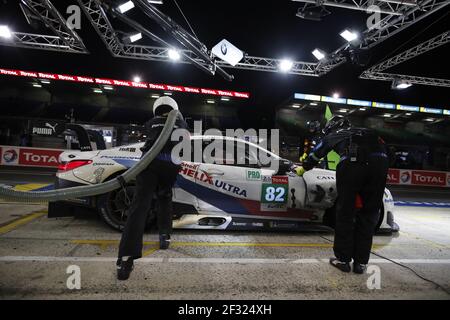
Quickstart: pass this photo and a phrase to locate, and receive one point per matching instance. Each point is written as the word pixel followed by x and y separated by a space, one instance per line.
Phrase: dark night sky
pixel 268 29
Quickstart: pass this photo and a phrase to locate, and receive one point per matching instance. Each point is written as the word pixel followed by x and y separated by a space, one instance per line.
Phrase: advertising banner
pixel 29 157
pixel 418 178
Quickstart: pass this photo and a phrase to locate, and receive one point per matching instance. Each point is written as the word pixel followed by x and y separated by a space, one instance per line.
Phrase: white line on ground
pixel 207 260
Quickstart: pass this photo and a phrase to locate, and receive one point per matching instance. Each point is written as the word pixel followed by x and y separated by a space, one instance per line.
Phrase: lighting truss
pixel 410 79
pixel 376 72
pixel 391 7
pixel 99 19
pixel 431 44
pixel 63 39
pixel 411 13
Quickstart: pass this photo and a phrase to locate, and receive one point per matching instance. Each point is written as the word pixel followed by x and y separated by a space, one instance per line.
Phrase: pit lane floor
pixel 35 253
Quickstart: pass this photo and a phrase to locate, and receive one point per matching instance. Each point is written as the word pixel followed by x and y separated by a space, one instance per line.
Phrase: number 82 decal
pixel 274 193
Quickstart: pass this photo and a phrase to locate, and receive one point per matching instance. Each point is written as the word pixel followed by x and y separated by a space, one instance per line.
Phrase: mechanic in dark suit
pixel 362 170
pixel 159 177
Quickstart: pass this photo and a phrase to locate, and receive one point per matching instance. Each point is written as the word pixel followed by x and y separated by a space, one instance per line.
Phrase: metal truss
pixel 388 26
pixel 64 39
pixel 431 44
pixel 410 79
pixel 100 21
pixel 391 7
pixel 375 72
pixel 391 25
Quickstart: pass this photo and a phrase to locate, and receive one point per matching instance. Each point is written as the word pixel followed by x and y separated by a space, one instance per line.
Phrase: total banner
pixel 419 178
pixel 29 157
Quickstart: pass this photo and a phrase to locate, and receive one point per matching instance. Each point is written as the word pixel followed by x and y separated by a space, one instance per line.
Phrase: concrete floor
pixel 35 253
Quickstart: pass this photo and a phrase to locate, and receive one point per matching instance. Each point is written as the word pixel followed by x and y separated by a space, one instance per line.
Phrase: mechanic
pixel 361 171
pixel 158 178
pixel 311 140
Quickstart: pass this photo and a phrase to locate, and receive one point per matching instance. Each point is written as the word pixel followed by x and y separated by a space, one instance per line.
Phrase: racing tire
pixel 112 207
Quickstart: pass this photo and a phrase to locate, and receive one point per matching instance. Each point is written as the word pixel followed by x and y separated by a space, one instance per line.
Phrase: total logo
pixel 10 156
pixel 405 177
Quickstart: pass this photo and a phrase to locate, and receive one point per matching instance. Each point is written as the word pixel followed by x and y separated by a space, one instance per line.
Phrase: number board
pixel 276 190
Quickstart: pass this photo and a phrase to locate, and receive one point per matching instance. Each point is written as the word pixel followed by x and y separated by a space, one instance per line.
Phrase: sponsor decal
pixel 253 175
pixel 201 176
pixel 429 178
pixel 127 150
pixel 325 178
pixel 10 156
pixel 102 164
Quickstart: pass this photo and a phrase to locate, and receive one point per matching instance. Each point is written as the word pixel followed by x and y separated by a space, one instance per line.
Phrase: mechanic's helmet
pixel 336 123
pixel 313 126
pixel 164 105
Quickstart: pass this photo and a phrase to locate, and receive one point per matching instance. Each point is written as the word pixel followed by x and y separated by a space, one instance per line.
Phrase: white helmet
pixel 168 102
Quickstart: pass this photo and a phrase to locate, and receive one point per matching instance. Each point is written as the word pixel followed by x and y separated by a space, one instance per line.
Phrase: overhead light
pixel 313 104
pixel 168 93
pixel 5 32
pixel 135 37
pixel 108 88
pixel 387 115
pixel 400 84
pixel 96 90
pixel 286 65
pixel 225 99
pixel 137 79
pixel 126 6
pixel 45 81
pixel 349 35
pixel 408 114
pixel 336 95
pixel 343 110
pixel 318 54
pixel 209 101
pixel 429 119
pixel 174 54
pixel 155 1
pixel 37 85
pixel 155 96
pixel 296 106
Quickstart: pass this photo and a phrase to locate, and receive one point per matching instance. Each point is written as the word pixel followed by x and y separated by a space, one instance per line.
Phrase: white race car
pixel 213 196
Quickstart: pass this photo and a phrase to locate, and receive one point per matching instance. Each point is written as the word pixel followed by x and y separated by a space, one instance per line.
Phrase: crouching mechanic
pixel 158 178
pixel 362 170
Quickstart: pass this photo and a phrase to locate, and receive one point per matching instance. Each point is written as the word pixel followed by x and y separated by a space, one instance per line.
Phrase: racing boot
pixel 164 241
pixel 124 267
pixel 341 265
pixel 359 268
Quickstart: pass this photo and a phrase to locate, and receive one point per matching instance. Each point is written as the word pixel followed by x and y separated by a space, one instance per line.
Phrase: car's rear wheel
pixel 113 207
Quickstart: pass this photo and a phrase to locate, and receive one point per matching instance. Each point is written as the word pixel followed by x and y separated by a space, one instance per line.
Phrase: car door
pixel 234 186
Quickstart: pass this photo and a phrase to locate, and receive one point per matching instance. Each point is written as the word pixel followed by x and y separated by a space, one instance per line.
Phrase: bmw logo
pixel 224 48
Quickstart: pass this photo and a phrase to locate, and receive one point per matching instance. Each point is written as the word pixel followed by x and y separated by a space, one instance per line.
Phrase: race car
pixel 238 194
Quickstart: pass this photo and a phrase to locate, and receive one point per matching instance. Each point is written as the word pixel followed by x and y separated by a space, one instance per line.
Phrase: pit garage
pixel 246 225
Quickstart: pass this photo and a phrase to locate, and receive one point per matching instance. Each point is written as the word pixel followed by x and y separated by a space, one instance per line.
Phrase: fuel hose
pixel 6 193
